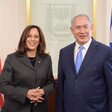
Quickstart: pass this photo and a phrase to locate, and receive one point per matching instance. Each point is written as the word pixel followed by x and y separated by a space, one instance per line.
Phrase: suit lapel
pixel 90 53
pixel 70 58
pixel 38 62
pixel 25 60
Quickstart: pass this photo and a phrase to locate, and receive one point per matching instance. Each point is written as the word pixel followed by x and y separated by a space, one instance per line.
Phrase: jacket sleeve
pixel 108 75
pixel 6 85
pixel 48 88
pixel 60 87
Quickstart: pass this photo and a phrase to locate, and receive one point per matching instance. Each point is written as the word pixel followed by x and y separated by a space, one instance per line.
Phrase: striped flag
pixel 1 97
pixel 111 30
pixel 0 67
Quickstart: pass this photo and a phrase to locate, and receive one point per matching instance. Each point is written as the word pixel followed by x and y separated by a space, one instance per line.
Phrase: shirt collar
pixel 86 45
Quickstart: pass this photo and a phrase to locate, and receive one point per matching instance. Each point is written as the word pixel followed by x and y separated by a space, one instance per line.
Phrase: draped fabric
pixel 111 29
pixel 1 96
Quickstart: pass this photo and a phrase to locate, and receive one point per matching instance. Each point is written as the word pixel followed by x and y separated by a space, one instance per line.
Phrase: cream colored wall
pixel 103 20
pixel 108 16
pixel 12 22
pixel 54 18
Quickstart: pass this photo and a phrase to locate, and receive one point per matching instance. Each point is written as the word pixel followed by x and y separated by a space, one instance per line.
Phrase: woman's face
pixel 33 40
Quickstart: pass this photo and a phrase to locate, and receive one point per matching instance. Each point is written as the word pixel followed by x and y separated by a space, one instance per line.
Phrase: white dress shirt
pixel 84 51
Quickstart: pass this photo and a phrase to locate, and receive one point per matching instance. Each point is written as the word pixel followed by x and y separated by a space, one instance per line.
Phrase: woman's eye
pixel 29 35
pixel 36 36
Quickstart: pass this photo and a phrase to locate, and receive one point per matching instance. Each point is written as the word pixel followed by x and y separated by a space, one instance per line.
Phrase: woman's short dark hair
pixel 22 48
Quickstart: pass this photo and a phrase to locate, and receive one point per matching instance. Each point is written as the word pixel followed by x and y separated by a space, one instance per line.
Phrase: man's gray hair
pixel 80 15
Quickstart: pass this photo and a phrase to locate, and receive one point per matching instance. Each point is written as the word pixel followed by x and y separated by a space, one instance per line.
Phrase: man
pixel 88 87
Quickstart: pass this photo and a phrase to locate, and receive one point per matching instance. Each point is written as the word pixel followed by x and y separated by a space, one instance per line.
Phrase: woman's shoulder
pixel 14 54
pixel 46 56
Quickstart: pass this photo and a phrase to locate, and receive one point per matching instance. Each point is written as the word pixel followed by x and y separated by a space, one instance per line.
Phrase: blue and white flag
pixel 111 30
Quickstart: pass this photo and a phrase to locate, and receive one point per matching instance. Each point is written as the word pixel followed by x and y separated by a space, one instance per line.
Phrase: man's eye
pixel 85 27
pixel 78 27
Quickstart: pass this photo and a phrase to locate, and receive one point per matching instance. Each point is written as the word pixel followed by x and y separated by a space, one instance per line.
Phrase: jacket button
pixel 76 80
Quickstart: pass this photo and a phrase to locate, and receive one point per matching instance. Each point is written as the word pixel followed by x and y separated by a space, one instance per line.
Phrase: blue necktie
pixel 79 59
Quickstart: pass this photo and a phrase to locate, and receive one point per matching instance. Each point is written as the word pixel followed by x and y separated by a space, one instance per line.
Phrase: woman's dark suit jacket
pixel 18 76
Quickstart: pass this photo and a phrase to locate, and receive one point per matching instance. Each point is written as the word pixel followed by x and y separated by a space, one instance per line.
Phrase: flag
pixel 111 30
pixel 0 67
pixel 1 97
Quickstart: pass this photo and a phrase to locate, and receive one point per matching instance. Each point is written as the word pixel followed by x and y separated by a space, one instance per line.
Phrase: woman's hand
pixel 35 95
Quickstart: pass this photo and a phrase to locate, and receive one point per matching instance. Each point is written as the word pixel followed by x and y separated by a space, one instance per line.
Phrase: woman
pixel 27 79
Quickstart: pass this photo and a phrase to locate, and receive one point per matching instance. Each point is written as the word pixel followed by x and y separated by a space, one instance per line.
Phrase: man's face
pixel 82 30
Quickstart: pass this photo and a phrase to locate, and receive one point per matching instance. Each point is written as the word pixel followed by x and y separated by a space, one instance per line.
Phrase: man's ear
pixel 71 30
pixel 92 26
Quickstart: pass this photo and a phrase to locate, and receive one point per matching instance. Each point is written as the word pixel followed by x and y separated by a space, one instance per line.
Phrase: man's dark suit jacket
pixel 18 76
pixel 91 89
